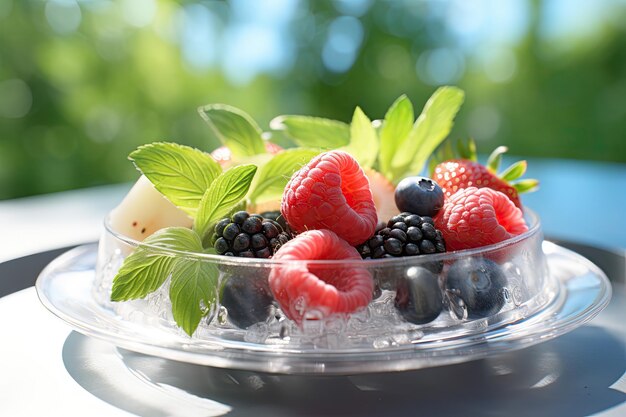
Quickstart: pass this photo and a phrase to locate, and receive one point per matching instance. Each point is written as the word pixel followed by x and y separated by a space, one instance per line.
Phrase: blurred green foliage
pixel 83 83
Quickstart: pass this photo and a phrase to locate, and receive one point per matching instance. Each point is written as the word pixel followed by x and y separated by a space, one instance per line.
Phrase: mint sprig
pixel 396 127
pixel 180 173
pixel 193 282
pixel 192 291
pixel 430 129
pixel 364 144
pixel 146 269
pixel 234 128
pixel 313 132
pixel 222 195
pixel 274 175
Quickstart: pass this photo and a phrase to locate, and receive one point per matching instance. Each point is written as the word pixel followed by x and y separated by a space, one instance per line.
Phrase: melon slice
pixel 383 193
pixel 145 210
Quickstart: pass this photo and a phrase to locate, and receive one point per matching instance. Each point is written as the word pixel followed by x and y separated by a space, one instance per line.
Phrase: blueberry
pixel 247 299
pixel 418 298
pixel 419 195
pixel 479 283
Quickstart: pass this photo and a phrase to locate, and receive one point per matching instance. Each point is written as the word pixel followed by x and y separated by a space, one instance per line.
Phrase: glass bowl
pixel 524 287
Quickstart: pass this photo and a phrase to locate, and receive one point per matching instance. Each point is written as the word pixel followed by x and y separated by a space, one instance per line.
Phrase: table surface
pixel 581 373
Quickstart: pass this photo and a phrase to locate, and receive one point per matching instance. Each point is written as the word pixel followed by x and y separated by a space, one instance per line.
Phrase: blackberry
pixel 405 234
pixel 249 236
pixel 277 216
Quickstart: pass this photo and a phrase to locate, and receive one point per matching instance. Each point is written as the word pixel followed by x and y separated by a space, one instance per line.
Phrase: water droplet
pixel 458 309
pixel 222 316
pixel 506 294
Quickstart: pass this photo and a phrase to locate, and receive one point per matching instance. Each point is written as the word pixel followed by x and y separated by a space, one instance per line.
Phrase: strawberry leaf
pixel 182 174
pixel 467 150
pixel 234 128
pixel 494 160
pixel 225 192
pixel 396 127
pixel 313 132
pixel 364 143
pixel 514 171
pixel 145 270
pixel 525 186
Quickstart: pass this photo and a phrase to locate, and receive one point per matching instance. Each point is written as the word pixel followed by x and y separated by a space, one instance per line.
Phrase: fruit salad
pixel 345 232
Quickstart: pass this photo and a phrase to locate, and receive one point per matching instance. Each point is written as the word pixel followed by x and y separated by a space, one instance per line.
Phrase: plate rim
pixel 407 357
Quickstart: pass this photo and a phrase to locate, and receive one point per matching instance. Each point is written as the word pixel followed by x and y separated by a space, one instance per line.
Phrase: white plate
pixel 64 287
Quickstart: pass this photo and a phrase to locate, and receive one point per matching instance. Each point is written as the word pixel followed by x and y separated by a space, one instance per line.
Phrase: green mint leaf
pixel 364 143
pixel 430 129
pixel 192 291
pixel 274 175
pixel 145 270
pixel 396 127
pixel 225 192
pixel 180 173
pixel 234 128
pixel 313 132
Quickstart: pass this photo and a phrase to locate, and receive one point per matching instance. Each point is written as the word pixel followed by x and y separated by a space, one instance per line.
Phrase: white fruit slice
pixel 383 193
pixel 144 210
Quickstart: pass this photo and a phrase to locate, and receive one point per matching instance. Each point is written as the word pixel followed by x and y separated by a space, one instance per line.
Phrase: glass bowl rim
pixel 531 218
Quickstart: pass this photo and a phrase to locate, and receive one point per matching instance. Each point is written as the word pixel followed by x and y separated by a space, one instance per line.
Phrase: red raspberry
pixel 302 288
pixel 331 192
pixel 474 217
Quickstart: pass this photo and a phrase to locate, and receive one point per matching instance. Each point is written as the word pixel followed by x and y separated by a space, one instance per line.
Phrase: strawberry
pixel 456 174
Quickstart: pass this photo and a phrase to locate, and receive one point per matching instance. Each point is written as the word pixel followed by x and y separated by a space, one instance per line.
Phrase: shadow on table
pixel 544 380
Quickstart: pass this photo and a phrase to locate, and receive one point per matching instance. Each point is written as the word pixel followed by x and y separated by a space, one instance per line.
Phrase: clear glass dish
pixel 542 280
pixel 526 289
